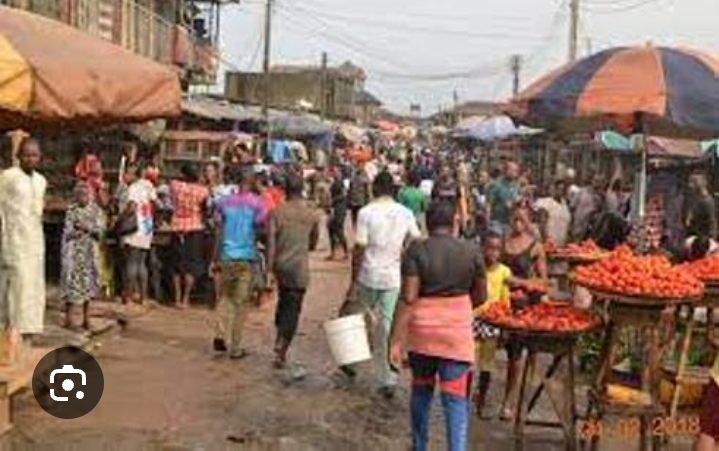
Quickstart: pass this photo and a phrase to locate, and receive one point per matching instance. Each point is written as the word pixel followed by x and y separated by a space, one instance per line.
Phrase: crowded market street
pixel 164 394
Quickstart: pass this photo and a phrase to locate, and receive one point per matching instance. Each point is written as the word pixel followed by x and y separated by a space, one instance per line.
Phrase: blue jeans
pixel 454 382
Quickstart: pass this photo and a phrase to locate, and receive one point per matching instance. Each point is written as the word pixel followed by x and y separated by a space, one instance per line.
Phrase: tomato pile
pixel 706 269
pixel 586 248
pixel 643 276
pixel 543 317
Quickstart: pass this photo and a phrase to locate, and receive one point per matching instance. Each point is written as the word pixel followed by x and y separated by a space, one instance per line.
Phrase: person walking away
pixel 22 243
pixel 293 234
pixel 337 217
pixel 138 207
pixel 220 185
pixel 240 215
pixel 383 228
pixel 414 198
pixel 80 278
pixel 443 278
pixel 189 199
pixel 701 219
pixel 359 193
pixel 502 194
pixel 525 258
pixel 498 278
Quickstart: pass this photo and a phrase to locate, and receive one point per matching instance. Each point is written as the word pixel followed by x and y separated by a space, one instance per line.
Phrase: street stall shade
pixel 298 126
pixel 492 128
pixel 657 147
pixel 52 74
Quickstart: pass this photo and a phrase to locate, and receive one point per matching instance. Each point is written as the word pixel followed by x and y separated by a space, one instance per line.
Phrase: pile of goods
pixel 542 317
pixel 584 250
pixel 651 276
pixel 706 269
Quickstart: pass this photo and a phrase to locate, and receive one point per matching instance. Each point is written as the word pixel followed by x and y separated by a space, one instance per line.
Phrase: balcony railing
pixel 137 28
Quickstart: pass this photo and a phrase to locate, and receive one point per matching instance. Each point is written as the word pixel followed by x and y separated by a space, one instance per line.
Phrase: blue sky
pixel 421 51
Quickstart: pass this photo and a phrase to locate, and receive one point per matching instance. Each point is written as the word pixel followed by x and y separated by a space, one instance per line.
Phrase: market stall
pixel 551 328
pixel 640 90
pixel 634 293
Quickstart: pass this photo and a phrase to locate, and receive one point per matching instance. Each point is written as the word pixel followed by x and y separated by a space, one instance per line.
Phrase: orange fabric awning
pixel 53 74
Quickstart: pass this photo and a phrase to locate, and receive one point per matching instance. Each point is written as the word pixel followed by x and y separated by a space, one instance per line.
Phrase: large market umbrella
pixel 672 92
pixel 53 74
pixel 652 90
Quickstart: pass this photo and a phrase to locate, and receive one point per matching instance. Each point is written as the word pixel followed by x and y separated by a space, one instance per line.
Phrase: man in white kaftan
pixel 22 243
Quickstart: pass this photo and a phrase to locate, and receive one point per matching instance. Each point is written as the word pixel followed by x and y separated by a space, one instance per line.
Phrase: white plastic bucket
pixel 347 337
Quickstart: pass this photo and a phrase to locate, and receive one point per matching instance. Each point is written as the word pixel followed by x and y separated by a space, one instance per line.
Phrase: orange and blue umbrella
pixel 671 91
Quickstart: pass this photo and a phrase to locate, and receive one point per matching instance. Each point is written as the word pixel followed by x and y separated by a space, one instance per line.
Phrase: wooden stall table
pixel 645 314
pixel 680 373
pixel 560 391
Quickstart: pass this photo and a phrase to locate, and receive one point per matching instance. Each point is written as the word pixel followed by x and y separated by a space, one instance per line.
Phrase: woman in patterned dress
pixel 80 274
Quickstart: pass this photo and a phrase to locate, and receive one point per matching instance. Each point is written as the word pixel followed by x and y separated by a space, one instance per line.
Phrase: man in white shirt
pixel 383 228
pixel 22 241
pixel 555 216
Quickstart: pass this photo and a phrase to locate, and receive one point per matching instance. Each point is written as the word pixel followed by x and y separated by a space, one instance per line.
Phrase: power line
pixel 488 69
pixel 616 7
pixel 391 61
pixel 397 26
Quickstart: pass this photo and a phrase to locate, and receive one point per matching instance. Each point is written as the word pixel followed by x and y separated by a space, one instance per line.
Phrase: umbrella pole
pixel 643 178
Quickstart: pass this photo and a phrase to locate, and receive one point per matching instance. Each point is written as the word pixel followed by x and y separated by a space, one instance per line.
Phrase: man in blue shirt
pixel 240 216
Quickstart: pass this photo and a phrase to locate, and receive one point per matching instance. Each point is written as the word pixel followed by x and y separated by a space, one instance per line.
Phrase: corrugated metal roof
pixel 216 109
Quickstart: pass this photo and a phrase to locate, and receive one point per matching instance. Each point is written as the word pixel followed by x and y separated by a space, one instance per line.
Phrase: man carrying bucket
pixel 383 228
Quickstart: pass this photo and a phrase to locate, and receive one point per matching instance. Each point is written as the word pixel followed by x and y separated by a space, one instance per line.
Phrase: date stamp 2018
pixel 630 428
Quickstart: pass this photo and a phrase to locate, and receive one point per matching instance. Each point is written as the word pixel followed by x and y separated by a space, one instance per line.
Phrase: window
pixel 47 8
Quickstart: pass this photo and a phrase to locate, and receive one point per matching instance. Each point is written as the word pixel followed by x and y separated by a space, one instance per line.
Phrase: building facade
pixel 182 33
pixel 332 91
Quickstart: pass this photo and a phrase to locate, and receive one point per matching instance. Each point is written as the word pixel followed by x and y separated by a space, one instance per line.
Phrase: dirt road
pixel 164 392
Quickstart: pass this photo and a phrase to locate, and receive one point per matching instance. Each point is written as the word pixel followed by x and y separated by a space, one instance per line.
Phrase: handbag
pixel 125 225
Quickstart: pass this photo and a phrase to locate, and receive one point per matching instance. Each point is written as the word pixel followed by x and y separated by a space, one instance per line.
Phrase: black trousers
pixel 287 316
pixel 336 229
pixel 355 214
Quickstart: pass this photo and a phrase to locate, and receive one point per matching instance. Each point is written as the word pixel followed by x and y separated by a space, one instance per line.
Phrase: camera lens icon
pixel 73 379
pixel 67 384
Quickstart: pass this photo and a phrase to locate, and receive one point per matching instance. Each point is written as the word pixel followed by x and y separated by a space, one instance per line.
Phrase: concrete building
pixel 182 33
pixel 452 116
pixel 295 87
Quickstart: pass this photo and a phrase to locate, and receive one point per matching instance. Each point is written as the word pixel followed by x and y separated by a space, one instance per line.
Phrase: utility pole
pixel 323 87
pixel 573 30
pixel 266 70
pixel 516 71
